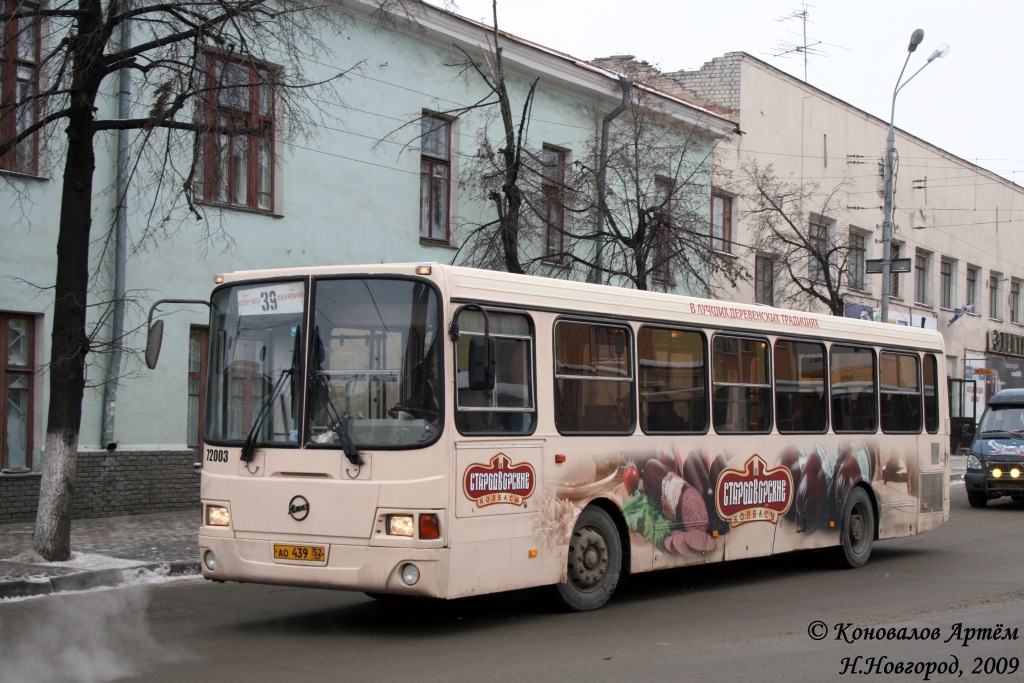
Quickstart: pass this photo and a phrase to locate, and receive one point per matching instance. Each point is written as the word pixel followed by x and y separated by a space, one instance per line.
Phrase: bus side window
pixel 853 385
pixel 673 380
pixel 742 385
pixel 594 383
pixel 931 394
pixel 901 396
pixel 504 404
pixel 800 386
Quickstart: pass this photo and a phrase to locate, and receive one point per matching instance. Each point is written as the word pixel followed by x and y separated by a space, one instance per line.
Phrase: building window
pixel 721 223
pixel 16 339
pixel 995 306
pixel 817 242
pixel 552 188
pixel 1015 301
pixel 435 177
pixel 764 280
pixel 19 83
pixel 236 165
pixel 922 273
pixel 856 259
pixel 972 286
pixel 661 227
pixel 197 339
pixel 895 248
pixel 947 278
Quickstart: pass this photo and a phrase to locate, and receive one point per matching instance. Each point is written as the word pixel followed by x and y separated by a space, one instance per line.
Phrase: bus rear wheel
pixel 595 562
pixel 856 530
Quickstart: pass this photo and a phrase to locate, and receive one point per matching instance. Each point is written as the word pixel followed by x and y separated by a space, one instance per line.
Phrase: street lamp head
pixel 915 39
pixel 940 51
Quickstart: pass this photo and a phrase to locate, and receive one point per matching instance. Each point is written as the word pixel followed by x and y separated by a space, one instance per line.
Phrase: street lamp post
pixel 890 153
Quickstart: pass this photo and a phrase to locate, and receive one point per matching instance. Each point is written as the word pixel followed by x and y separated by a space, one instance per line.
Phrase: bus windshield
pixel 373 361
pixel 255 356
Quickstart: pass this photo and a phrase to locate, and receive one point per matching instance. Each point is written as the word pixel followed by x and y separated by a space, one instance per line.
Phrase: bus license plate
pixel 302 553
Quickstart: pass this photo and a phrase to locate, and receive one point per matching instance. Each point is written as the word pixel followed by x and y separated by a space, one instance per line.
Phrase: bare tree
pixel 649 222
pixel 499 169
pixel 190 63
pixel 792 224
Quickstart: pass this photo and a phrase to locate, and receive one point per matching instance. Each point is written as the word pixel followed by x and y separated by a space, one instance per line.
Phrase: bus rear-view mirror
pixel 153 341
pixel 481 364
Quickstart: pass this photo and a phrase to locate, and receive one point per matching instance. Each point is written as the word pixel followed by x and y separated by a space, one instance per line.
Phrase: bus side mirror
pixel 155 335
pixel 154 339
pixel 481 364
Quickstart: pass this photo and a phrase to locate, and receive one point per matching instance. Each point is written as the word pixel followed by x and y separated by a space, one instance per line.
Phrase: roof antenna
pixel 784 48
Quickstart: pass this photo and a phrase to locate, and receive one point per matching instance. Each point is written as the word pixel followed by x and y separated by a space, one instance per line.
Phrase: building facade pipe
pixel 120 248
pixel 602 174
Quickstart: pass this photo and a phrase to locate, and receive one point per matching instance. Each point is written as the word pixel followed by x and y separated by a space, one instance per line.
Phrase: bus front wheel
pixel 595 562
pixel 856 530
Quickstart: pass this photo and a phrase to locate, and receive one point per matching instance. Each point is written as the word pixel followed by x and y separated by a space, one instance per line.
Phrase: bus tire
pixel 856 530
pixel 595 562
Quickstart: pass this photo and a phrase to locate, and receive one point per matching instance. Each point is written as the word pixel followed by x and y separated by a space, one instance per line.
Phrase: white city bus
pixel 440 431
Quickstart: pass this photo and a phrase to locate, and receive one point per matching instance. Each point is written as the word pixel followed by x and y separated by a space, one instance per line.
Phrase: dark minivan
pixel 995 466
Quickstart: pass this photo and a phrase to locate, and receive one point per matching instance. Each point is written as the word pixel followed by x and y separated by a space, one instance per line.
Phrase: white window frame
pixel 995 294
pixel 922 277
pixel 947 283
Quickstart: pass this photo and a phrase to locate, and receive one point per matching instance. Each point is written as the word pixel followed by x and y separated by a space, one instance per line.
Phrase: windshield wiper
pixel 249 447
pixel 339 421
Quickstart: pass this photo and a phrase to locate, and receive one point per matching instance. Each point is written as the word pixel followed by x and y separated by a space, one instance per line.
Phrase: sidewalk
pixel 115 550
pixel 109 551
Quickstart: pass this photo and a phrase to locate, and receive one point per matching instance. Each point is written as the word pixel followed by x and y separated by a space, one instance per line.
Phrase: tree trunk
pixel 510 228
pixel 52 539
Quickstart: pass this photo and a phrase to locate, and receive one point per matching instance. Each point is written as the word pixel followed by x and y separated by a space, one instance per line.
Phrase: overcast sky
pixel 968 103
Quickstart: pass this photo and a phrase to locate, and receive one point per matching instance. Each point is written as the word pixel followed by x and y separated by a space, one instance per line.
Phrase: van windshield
pixel 999 420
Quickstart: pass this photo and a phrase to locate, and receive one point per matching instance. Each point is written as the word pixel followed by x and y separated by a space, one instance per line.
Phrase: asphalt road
pixel 786 618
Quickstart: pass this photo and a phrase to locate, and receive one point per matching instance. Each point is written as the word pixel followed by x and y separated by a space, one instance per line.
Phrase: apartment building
pixel 961 226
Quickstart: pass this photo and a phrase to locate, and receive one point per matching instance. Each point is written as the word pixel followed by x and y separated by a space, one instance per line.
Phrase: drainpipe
pixel 120 250
pixel 602 173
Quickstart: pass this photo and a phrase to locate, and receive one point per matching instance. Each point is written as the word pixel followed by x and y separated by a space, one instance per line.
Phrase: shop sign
pixel 1005 343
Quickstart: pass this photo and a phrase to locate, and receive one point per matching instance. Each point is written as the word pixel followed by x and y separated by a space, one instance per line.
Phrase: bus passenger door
pixel 498 506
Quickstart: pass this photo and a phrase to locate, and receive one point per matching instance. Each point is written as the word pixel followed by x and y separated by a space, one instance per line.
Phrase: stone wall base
pixel 112 484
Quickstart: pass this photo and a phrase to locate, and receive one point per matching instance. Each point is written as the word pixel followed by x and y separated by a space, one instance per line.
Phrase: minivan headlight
pixel 973 463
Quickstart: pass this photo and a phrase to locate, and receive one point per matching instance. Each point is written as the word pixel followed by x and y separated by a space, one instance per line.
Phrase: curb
pixel 101 578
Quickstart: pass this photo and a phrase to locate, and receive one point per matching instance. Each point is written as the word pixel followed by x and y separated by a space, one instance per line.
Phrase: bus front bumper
pixel 371 569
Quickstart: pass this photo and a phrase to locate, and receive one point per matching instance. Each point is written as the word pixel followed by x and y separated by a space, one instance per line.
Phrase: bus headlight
pixel 410 574
pixel 217 515
pixel 400 525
